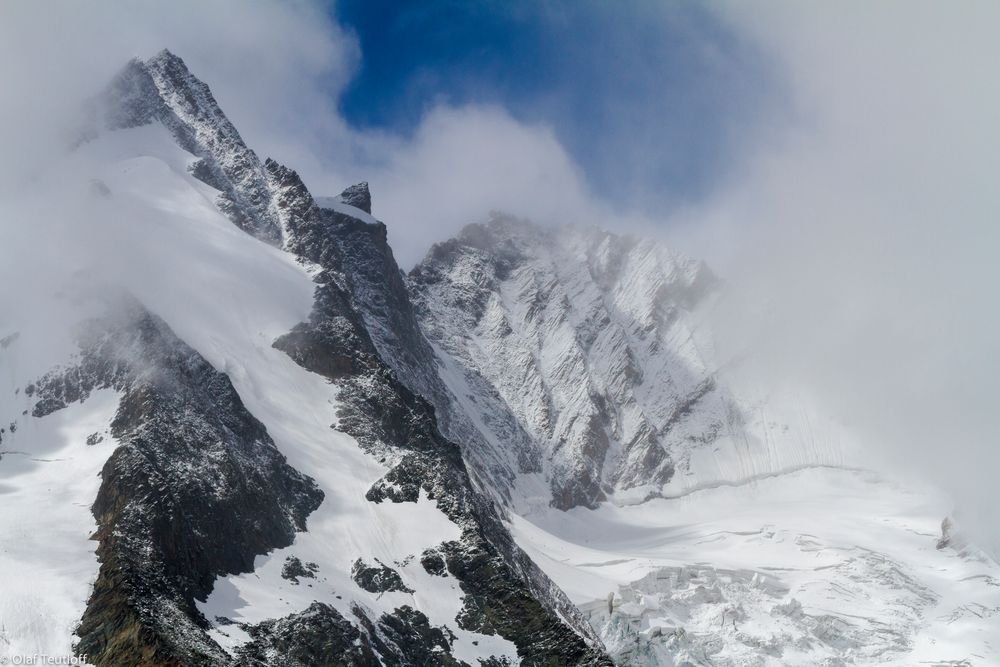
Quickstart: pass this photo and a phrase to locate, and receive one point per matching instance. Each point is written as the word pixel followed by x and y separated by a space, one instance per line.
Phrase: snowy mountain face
pixel 163 90
pixel 695 518
pixel 583 340
pixel 592 348
pixel 271 492
pixel 252 440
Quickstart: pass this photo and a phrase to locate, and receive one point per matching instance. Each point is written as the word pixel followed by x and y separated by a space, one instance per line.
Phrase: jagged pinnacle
pixel 358 196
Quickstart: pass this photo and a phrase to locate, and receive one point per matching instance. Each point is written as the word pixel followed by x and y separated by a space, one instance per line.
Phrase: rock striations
pixel 581 339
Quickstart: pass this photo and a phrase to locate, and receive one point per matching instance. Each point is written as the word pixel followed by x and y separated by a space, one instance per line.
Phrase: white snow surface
pixel 816 567
pixel 50 477
pixel 335 204
pixel 229 296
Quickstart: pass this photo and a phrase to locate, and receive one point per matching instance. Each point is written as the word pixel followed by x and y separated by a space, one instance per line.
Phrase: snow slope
pixel 249 282
pixel 232 318
pixel 234 296
pixel 693 517
pixel 818 567
pixel 47 561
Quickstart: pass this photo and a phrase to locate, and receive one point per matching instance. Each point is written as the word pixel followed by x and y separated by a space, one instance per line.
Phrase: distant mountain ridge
pixel 583 340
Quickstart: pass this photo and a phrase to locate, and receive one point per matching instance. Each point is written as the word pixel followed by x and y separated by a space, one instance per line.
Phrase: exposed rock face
pixel 379 293
pixel 357 265
pixel 195 489
pixel 167 531
pixel 405 637
pixel 583 340
pixel 433 562
pixel 294 569
pixel 378 578
pixel 393 423
pixel 363 333
pixel 162 89
pixel 320 635
pixel 358 196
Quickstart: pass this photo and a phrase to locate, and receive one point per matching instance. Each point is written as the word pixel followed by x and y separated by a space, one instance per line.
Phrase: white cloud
pixel 461 164
pixel 869 227
pixel 269 63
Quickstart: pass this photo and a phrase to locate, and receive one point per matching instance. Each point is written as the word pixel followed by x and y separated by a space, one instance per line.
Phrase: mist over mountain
pixel 467 412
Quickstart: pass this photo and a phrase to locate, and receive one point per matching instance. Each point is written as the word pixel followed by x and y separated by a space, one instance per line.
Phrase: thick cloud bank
pixel 862 244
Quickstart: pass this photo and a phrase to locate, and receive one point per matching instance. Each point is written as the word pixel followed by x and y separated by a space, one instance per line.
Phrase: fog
pixel 857 236
pixel 861 245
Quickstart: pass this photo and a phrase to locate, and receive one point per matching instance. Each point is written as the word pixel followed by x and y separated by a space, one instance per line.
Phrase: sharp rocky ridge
pixel 322 460
pixel 160 558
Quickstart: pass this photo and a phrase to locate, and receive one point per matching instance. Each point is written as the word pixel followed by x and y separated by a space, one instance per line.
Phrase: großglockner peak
pixel 271 490
pixel 163 89
pixel 250 439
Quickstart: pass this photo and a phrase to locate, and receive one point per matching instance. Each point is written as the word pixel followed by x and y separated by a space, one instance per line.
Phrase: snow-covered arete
pixel 154 201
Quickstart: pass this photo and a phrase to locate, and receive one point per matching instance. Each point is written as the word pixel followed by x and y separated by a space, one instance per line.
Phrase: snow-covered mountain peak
pixel 162 89
pixel 588 361
pixel 263 383
pixel 506 240
pixel 585 339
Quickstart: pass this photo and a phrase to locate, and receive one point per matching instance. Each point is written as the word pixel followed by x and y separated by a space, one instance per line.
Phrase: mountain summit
pixel 235 433
pixel 212 472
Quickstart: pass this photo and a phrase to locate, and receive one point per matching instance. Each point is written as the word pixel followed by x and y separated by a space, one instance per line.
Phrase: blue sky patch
pixel 653 100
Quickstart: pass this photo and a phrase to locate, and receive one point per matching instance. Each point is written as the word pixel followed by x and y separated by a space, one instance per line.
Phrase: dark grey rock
pixel 194 490
pixel 434 563
pixel 378 578
pixel 358 196
pixel 163 89
pixel 294 569
pixel 317 637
